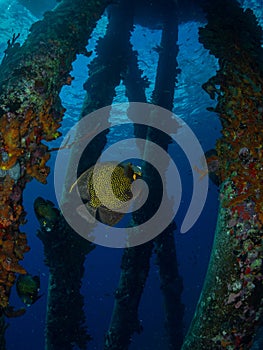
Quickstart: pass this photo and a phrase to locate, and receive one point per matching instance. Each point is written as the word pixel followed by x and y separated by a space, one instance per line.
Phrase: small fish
pixel 122 177
pixel 212 161
pixel 27 287
pixel 213 165
pixel 46 213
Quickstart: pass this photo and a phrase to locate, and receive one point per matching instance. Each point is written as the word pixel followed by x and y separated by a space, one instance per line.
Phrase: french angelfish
pixel 123 175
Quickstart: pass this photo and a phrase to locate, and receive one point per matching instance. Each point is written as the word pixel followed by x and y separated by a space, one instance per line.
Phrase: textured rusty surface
pixel 230 305
pixel 31 77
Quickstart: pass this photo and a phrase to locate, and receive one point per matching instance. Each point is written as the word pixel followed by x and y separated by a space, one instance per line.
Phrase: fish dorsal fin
pixel 79 179
pixel 73 185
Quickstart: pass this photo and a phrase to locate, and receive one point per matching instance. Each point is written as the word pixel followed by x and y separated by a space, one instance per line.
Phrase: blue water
pixel 102 265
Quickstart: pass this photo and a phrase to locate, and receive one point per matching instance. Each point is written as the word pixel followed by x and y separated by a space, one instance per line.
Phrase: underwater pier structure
pixel 230 308
pixel 31 78
pixel 65 253
pixel 229 311
pixel 106 72
pixel 135 263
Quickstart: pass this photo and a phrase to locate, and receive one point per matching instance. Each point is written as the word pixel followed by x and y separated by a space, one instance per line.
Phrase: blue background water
pixel 102 267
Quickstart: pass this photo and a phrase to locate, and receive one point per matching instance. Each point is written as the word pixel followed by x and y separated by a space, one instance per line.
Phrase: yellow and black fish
pixel 122 177
pixel 27 288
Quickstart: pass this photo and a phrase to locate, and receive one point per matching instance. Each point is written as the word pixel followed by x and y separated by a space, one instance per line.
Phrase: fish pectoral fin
pixel 109 217
pixel 87 212
pixel 128 194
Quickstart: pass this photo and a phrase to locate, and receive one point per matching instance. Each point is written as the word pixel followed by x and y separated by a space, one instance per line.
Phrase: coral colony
pixel 31 78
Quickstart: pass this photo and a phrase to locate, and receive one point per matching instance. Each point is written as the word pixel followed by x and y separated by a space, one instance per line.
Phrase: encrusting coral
pixel 31 77
pixel 231 303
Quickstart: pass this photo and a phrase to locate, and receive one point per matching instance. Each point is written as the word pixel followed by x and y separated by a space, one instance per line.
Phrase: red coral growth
pixel 240 153
pixel 241 211
pixel 12 243
pixel 241 170
pixel 22 157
